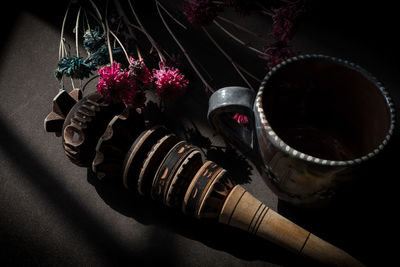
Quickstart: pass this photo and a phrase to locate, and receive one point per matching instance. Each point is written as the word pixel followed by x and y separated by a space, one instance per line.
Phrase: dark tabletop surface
pixel 53 214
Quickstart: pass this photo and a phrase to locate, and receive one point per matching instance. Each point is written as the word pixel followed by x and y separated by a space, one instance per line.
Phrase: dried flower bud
pixel 115 85
pixel 170 83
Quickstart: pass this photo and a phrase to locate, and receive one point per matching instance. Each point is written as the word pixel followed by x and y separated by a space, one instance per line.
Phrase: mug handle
pixel 222 106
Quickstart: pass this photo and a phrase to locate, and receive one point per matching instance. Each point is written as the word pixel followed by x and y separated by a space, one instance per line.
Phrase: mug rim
pixel 285 148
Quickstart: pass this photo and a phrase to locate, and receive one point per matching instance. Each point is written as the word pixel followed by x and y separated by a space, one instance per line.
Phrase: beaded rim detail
pixel 274 138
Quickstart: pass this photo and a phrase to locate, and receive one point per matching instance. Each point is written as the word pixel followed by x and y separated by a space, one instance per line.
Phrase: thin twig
pixel 121 12
pixel 158 5
pixel 87 20
pixel 72 82
pixel 239 27
pixel 77 32
pixel 269 13
pixel 238 40
pixel 151 40
pixel 102 24
pixel 108 36
pixel 61 48
pixel 266 10
pixel 117 32
pixel 227 57
pixel 122 46
pixel 174 19
pixel 248 73
pixel 138 53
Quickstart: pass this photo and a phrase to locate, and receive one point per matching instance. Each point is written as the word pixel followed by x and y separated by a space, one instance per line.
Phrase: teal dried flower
pixel 74 67
pixel 93 40
pixel 100 57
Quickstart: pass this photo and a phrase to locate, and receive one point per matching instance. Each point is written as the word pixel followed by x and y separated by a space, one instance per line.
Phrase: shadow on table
pixel 217 236
pixel 361 220
pixel 358 221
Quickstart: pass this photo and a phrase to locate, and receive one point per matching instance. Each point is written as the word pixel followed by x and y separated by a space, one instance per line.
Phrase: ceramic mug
pixel 314 121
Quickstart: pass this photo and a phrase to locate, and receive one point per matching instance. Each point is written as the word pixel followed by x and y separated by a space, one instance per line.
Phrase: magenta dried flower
pixel 283 20
pixel 139 71
pixel 169 82
pixel 276 53
pixel 200 12
pixel 116 85
pixel 241 119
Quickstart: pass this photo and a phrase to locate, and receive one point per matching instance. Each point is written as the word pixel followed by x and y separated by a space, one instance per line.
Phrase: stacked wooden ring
pixel 117 143
pixel 172 172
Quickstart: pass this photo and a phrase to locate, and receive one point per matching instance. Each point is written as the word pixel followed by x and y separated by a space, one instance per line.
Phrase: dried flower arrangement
pixel 128 85
pixel 106 130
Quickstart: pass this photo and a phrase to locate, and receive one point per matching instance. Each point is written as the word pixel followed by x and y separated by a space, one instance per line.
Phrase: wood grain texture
pixel 115 142
pixel 207 191
pixel 168 168
pixel 137 153
pixel 61 105
pixel 243 211
pixel 153 161
pixel 84 125
pixel 182 178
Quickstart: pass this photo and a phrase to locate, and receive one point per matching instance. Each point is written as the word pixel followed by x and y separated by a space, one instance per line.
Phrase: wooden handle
pixel 243 211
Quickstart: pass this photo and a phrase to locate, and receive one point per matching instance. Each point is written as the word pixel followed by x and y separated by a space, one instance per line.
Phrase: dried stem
pixel 264 9
pixel 77 32
pixel 248 73
pixel 151 40
pixel 108 36
pixel 61 48
pixel 238 40
pixel 239 27
pixel 122 46
pixel 104 27
pixel 173 18
pixel 121 12
pixel 138 53
pixel 227 57
pixel 158 5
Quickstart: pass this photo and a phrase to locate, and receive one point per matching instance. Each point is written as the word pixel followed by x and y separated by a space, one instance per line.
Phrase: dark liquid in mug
pixel 318 143
pixel 325 110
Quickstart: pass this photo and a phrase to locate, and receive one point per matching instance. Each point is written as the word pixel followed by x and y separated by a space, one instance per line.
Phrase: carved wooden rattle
pixel 155 163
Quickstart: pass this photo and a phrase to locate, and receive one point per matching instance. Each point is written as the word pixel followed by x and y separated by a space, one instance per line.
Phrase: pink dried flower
pixel 241 119
pixel 276 53
pixel 115 85
pixel 200 12
pixel 170 83
pixel 283 27
pixel 139 71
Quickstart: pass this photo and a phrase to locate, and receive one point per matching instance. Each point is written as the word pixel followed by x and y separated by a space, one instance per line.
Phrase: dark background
pixel 53 214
